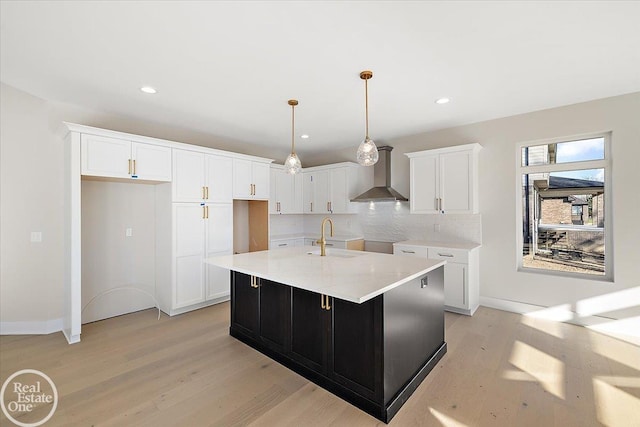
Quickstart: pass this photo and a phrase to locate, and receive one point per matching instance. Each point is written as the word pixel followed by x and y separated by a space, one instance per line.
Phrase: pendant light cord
pixel 366 108
pixel 293 121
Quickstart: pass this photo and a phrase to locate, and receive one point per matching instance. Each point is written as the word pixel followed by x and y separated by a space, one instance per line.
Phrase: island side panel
pixel 413 331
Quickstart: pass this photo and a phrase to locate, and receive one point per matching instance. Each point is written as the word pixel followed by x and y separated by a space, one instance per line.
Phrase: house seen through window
pixel 564 228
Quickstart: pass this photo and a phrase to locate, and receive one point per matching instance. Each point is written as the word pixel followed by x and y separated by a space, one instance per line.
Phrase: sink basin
pixel 335 253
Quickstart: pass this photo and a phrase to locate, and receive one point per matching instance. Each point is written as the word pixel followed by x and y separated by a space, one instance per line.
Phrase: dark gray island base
pixel 373 355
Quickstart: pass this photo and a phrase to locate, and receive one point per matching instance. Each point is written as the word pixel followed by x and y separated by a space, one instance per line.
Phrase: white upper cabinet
pixel 329 189
pixel 200 177
pixel 118 158
pixel 444 180
pixel 286 192
pixel 250 180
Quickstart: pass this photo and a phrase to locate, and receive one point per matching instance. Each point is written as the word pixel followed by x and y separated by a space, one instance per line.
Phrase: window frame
pixel 566 167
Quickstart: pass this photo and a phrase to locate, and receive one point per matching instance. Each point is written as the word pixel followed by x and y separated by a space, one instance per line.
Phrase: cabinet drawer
pixel 453 255
pixel 282 243
pixel 419 251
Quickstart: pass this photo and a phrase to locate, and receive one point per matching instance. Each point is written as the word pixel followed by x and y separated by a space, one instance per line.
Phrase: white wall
pixel 112 260
pixel 31 274
pixel 498 276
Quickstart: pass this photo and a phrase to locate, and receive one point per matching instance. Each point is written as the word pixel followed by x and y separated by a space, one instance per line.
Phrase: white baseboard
pixel 43 327
pixel 512 306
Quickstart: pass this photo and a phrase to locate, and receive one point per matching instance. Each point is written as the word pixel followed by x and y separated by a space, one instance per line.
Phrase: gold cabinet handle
pixel 254 282
pixel 206 192
pixel 207 211
pixel 311 206
pixel 134 166
pixel 322 304
pixel 328 305
pixel 203 212
pixel 129 167
pixel 203 193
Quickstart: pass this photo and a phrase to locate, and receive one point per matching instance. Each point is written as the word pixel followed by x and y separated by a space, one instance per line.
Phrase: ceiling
pixel 228 68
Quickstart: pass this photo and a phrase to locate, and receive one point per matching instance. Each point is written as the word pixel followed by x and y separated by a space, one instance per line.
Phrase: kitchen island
pixel 368 327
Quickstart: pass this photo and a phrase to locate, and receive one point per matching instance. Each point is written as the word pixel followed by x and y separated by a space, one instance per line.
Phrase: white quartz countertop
pixel 435 244
pixel 354 276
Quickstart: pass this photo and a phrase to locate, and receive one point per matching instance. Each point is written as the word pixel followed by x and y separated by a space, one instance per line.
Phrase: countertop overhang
pixel 354 276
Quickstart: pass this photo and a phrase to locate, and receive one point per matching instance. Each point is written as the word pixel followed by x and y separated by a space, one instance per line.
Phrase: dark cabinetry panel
pixel 275 303
pixel 356 356
pixel 309 325
pixel 244 300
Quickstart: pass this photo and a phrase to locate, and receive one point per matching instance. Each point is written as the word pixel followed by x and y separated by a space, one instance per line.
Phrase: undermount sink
pixel 335 253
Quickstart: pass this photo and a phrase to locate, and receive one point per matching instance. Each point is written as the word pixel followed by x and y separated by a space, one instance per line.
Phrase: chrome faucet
pixel 323 241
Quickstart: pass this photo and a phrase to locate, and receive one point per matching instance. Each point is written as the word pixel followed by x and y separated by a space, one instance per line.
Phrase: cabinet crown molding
pixel 89 130
pixel 465 147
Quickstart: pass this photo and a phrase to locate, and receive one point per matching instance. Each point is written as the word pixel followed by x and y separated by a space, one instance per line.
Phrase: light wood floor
pixel 501 369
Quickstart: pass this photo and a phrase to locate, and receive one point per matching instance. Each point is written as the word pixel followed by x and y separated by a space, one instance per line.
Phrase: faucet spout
pixel 323 241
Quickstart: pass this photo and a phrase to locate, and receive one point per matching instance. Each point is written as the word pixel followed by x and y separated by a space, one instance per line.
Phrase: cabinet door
pixel 244 308
pixel 108 157
pixel 273 192
pixel 455 280
pixel 356 356
pixel 284 192
pixel 188 176
pixel 455 182
pixel 219 242
pixel 189 244
pixel 321 192
pixel 275 315
pixel 260 180
pixel 339 196
pixel 151 162
pixel 307 192
pixel 219 182
pixel 297 198
pixel 242 182
pixel 424 184
pixel 309 330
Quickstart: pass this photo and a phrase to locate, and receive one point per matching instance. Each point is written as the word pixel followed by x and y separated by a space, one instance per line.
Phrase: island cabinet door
pixel 309 330
pixel 275 315
pixel 356 346
pixel 244 309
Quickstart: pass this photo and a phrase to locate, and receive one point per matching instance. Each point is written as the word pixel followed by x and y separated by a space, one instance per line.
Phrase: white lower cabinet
pixel 286 243
pixel 200 231
pixel 461 272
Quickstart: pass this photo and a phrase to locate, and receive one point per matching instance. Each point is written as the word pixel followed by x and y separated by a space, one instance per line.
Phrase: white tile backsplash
pixel 392 222
pixel 386 222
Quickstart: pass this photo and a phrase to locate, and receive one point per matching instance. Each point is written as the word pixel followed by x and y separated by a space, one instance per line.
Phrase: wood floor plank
pixel 501 369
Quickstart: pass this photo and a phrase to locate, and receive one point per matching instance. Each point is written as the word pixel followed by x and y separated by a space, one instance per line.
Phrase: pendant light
pixel 292 165
pixel 367 154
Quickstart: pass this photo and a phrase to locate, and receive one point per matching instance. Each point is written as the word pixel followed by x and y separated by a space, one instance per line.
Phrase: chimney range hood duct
pixel 382 179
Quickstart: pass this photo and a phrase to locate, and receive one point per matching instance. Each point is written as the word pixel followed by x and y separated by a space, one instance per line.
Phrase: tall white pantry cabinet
pixel 194 192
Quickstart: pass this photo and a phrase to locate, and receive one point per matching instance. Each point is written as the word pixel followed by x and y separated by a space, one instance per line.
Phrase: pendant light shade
pixel 367 154
pixel 292 165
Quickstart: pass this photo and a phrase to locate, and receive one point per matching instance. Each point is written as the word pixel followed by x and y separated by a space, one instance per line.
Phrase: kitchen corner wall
pixel 501 284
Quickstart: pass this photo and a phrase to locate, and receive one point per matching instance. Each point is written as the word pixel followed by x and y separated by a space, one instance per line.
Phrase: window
pixel 562 188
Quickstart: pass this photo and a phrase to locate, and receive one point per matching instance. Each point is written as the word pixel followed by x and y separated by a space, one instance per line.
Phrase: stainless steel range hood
pixel 382 192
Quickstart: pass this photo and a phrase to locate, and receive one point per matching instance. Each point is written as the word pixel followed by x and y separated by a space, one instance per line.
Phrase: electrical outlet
pixel 36 236
pixel 128 232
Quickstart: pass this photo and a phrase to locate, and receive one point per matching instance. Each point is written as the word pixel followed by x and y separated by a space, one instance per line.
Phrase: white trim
pixel 605 164
pixel 559 313
pixel 473 146
pixel 39 327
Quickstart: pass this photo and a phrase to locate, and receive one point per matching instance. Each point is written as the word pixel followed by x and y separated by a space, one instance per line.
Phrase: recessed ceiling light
pixel 148 89
pixel 442 100
pixel 305 136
